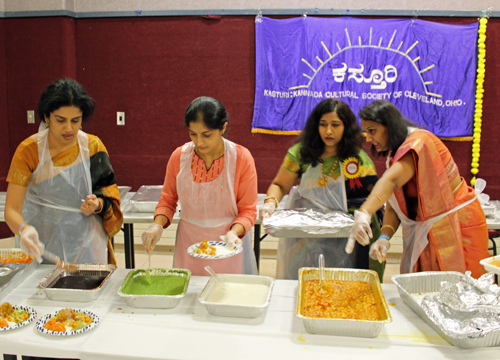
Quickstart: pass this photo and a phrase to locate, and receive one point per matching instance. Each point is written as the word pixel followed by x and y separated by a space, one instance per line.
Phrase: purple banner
pixel 426 69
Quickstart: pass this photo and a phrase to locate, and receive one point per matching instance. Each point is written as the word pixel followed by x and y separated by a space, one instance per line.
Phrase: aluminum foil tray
pixel 145 199
pixel 308 223
pixel 344 327
pixel 430 282
pixel 229 310
pixel 19 271
pixel 489 210
pixel 76 294
pixel 154 301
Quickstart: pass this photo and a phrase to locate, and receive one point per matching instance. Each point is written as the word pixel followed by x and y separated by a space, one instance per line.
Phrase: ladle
pixel 215 276
pixel 322 289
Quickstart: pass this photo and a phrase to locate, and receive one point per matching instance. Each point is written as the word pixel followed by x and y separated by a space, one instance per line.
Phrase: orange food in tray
pixel 206 249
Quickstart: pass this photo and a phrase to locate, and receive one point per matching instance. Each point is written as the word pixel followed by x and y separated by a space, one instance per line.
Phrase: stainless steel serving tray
pixel 75 294
pixel 344 327
pixel 19 273
pixel 430 281
pixel 154 301
pixel 229 310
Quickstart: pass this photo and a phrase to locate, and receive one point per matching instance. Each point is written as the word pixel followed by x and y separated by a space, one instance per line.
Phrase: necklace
pixel 323 180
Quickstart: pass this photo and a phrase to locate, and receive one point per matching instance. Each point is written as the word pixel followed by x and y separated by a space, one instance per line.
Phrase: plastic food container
pixel 230 310
pixel 344 327
pixel 79 282
pixel 19 271
pixel 430 282
pixel 145 199
pixel 154 301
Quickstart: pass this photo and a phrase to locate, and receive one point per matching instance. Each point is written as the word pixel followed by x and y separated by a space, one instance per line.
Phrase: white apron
pixel 207 211
pixel 295 253
pixel 52 206
pixel 415 232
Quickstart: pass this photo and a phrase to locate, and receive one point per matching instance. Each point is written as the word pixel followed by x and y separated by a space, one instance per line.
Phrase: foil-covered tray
pixel 84 276
pixel 430 283
pixel 145 199
pixel 232 310
pixel 344 327
pixel 19 272
pixel 151 300
pixel 308 223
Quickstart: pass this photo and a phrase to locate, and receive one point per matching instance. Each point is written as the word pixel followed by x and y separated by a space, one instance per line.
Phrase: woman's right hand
pixel 30 243
pixel 267 210
pixel 361 231
pixel 151 236
pixel 379 249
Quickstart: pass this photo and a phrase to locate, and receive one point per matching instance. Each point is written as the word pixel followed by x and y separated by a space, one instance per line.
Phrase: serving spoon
pixel 148 276
pixel 322 289
pixel 215 276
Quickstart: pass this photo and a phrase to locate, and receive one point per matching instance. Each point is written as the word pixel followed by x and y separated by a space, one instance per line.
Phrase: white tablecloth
pixel 189 332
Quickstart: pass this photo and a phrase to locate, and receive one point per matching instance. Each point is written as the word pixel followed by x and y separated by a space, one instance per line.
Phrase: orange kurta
pixel 460 240
pixel 245 185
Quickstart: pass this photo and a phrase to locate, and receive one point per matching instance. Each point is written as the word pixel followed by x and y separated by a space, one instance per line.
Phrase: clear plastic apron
pixel 415 233
pixel 52 206
pixel 208 209
pixel 295 253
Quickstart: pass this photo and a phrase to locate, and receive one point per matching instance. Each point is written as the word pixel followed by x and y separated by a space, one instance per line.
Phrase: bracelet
pixel 272 198
pixel 388 226
pixel 102 207
pixel 378 197
pixel 23 225
pixel 384 236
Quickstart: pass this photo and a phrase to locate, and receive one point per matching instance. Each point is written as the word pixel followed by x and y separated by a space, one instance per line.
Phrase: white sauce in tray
pixel 239 294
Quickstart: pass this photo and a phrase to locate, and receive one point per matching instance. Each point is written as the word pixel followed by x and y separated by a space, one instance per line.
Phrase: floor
pixel 267 266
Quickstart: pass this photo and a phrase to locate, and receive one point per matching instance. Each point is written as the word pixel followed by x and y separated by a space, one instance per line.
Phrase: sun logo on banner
pixel 377 75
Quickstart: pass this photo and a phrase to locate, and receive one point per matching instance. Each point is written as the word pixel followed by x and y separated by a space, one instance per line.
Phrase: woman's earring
pixel 47 125
pixel 80 127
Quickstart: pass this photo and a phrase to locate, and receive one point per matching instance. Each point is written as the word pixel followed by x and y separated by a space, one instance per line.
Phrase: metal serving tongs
pixel 322 289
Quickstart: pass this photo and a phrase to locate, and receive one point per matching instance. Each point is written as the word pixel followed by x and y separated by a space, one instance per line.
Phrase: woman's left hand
pixel 91 205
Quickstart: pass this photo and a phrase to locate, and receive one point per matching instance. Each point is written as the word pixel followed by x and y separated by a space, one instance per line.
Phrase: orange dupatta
pixel 459 240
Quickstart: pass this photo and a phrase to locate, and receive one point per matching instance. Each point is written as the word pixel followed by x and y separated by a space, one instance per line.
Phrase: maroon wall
pixel 152 67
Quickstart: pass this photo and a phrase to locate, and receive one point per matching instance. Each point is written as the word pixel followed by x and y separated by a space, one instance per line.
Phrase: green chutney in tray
pixel 167 287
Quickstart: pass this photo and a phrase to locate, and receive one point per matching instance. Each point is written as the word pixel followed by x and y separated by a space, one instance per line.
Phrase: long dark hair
pixel 386 114
pixel 310 139
pixel 210 110
pixel 65 92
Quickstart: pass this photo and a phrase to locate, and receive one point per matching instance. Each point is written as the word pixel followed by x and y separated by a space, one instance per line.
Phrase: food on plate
pixel 205 248
pixel 495 263
pixel 348 300
pixel 9 314
pixel 68 320
pixel 21 258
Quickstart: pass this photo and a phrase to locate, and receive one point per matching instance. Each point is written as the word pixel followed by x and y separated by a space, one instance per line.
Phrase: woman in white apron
pixel 61 184
pixel 444 227
pixel 334 175
pixel 215 182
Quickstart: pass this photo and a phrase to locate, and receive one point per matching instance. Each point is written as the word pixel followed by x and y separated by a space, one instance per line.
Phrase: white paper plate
pixel 42 321
pixel 13 326
pixel 221 248
pixel 488 266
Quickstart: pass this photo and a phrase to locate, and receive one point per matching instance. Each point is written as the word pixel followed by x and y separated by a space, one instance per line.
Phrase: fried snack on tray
pixel 68 318
pixel 8 313
pixel 21 259
pixel 206 249
pixel 348 300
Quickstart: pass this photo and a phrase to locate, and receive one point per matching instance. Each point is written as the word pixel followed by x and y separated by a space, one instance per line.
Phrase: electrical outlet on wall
pixel 31 116
pixel 120 118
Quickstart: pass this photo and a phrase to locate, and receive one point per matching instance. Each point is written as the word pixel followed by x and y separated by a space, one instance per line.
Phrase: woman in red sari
pixel 444 227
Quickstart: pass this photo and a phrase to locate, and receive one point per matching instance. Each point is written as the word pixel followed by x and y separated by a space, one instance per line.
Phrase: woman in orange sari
pixel 444 227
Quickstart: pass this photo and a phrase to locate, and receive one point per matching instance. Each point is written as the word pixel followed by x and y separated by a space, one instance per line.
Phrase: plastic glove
pixel 361 230
pixel 30 243
pixel 151 236
pixel 379 249
pixel 267 210
pixel 231 238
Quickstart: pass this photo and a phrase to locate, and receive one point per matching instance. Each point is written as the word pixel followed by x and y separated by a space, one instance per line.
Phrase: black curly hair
pixel 310 139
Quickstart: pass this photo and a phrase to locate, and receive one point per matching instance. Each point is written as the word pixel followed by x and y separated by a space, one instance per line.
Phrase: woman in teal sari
pixel 334 174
